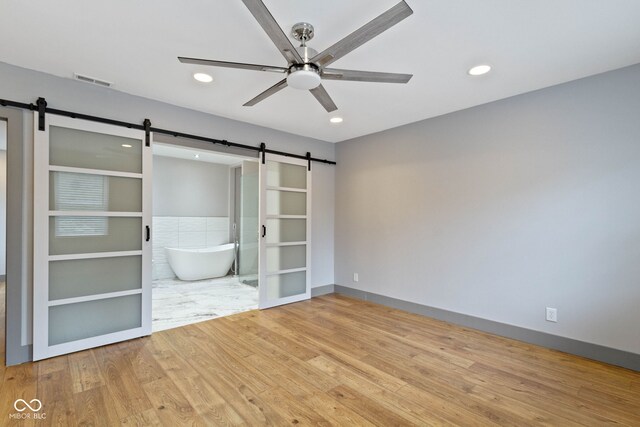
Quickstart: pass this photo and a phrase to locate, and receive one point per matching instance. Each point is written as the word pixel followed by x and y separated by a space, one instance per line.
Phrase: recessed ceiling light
pixel 196 156
pixel 202 77
pixel 335 119
pixel 127 145
pixel 479 70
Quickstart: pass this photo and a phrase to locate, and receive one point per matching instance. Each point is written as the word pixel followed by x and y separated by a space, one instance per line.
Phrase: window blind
pixel 81 192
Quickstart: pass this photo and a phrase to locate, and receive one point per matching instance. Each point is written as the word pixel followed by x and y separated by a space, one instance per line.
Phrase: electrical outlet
pixel 355 277
pixel 552 314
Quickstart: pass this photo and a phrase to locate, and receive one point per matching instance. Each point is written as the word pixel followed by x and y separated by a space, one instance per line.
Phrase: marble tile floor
pixel 178 303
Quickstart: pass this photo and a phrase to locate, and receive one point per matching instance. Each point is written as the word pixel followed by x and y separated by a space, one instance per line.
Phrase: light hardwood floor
pixel 331 360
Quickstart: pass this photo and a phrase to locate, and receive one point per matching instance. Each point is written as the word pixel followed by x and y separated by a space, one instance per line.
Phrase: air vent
pixel 92 80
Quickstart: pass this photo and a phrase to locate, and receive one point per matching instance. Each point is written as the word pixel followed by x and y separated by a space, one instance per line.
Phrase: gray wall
pixel 25 85
pixel 504 209
pixel 3 196
pixel 3 212
pixel 189 188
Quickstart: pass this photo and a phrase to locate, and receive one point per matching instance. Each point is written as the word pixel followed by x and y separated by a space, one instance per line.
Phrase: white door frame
pixel 41 257
pixel 264 301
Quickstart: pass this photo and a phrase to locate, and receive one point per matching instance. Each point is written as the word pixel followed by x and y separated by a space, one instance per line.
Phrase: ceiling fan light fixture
pixel 303 79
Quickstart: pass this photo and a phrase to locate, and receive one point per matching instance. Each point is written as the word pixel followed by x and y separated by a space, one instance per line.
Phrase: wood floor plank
pixel 55 386
pixel 292 409
pixel 60 414
pixel 560 397
pixel 235 393
pixel 372 410
pixel 20 382
pixel 85 373
pixel 208 403
pixel 123 386
pixel 147 418
pixel 95 407
pixel 332 360
pixel 145 367
pixel 335 412
pixel 172 407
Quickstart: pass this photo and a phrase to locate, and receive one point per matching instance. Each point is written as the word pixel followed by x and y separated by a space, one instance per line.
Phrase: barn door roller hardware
pixel 41 107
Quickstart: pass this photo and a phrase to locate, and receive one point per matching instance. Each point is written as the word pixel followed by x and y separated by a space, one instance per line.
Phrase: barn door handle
pixel 148 233
pixel 264 230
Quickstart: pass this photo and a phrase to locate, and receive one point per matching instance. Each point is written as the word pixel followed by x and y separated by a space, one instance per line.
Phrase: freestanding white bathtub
pixel 199 264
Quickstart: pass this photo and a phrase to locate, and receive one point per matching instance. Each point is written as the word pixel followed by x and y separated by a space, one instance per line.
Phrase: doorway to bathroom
pixel 204 235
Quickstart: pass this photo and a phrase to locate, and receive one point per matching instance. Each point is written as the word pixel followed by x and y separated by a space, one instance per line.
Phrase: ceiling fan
pixel 305 67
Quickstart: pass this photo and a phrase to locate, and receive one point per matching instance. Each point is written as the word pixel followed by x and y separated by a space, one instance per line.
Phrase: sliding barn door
pixel 92 249
pixel 285 213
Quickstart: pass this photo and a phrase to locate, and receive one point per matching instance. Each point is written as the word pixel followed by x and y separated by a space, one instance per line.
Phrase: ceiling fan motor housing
pixel 304 76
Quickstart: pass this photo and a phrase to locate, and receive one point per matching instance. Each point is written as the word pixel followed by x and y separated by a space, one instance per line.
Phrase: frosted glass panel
pixel 286 175
pixel 286 257
pixel 286 285
pixel 78 235
pixel 85 192
pixel 82 149
pixel 88 319
pixel 249 216
pixel 286 230
pixel 286 203
pixel 82 277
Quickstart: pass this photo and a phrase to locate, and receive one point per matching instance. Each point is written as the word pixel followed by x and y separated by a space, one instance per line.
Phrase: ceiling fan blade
pixel 363 34
pixel 273 30
pixel 225 64
pixel 267 93
pixel 364 76
pixel 323 98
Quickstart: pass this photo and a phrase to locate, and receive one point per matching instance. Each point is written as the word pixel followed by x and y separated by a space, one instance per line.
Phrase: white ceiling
pixel 531 44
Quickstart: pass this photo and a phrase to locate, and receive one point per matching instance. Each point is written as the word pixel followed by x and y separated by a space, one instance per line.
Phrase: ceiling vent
pixel 92 80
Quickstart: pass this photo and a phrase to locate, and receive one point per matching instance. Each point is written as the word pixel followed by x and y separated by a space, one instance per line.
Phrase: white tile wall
pixel 192 239
pixel 184 232
pixel 192 223
pixel 217 237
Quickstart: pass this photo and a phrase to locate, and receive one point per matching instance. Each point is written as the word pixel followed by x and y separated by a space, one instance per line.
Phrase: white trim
pixel 93 255
pixel 277 245
pixel 286 217
pixel 103 172
pixel 285 300
pixel 94 297
pixel 291 270
pixel 264 301
pixel 147 248
pixel 291 189
pixel 92 342
pixel 41 303
pixel 95 213
pixel 40 240
pixel 95 127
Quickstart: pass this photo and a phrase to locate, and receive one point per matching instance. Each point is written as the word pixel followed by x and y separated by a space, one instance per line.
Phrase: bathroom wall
pixel 187 233
pixel 190 207
pixel 502 210
pixel 189 187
